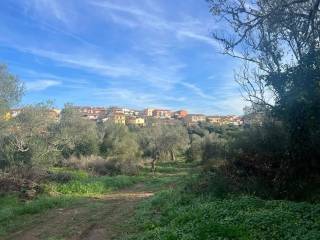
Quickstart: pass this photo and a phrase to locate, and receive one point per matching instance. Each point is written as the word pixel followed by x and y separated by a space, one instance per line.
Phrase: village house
pixel 91 113
pixel 180 114
pixel 161 113
pixel 118 118
pixel 192 119
pixel 54 114
pixel 214 119
pixel 115 110
pixel 130 112
pixel 148 112
pixel 232 120
pixel 225 120
pixel 136 121
pixel 15 112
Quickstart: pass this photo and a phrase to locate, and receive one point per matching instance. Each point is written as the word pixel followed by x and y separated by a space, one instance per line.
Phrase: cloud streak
pixel 41 85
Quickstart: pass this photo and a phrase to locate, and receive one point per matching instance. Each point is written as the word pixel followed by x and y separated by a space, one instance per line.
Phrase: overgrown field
pixel 71 187
pixel 173 214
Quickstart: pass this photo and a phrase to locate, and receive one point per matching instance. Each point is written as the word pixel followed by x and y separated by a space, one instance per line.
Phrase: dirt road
pixel 93 219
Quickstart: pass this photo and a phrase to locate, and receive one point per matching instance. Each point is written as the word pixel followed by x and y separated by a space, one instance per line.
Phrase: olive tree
pixel 76 135
pixel 279 43
pixel 162 141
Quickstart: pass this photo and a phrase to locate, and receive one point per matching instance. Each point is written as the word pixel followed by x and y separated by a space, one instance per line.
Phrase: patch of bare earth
pixel 94 219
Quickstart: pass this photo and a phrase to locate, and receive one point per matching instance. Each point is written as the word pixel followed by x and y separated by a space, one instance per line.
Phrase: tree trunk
pixel 153 166
pixel 173 156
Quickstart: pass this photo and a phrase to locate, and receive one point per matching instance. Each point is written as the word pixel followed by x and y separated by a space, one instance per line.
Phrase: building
pixel 54 114
pixel 137 121
pixel 130 112
pixel 161 113
pixel 115 110
pixel 7 116
pixel 148 112
pixel 15 112
pixel 180 114
pixel 92 113
pixel 118 118
pixel 214 119
pixel 192 119
pixel 225 120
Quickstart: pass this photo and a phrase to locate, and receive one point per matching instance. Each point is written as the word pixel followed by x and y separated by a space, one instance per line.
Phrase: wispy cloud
pixel 199 37
pixel 139 53
pixel 187 27
pixel 197 91
pixel 87 62
pixel 40 85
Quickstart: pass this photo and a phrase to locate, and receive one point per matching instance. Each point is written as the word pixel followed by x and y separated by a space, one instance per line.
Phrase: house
pixel 225 120
pixel 118 118
pixel 137 121
pixel 193 119
pixel 214 119
pixel 15 112
pixel 54 114
pixel 115 110
pixel 180 114
pixel 92 113
pixel 148 112
pixel 7 116
pixel 161 113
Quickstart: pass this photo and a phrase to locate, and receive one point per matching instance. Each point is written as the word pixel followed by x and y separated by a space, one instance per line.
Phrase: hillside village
pixel 141 118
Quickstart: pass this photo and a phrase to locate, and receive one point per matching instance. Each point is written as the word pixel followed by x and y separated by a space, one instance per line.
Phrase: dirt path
pixel 94 219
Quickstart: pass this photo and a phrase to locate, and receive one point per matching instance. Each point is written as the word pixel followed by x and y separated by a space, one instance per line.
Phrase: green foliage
pixel 30 140
pixel 120 147
pixel 266 38
pixel 76 135
pixel 11 88
pixel 176 215
pixel 13 210
pixel 89 185
pixel 195 151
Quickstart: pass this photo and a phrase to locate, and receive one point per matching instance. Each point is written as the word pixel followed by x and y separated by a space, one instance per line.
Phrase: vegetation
pixel 174 215
pixel 257 181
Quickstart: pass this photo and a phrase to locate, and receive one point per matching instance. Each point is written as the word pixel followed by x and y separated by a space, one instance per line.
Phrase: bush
pixel 61 177
pixel 101 166
pixel 27 186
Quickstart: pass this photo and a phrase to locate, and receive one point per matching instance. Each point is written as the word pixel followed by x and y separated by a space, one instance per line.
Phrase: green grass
pixel 15 213
pixel 174 215
pixel 13 210
pixel 91 185
pixel 75 174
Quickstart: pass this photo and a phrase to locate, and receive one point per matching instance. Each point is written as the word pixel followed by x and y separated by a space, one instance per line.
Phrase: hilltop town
pixel 126 116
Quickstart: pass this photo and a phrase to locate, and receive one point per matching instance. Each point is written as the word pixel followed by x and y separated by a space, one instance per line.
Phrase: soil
pixel 100 218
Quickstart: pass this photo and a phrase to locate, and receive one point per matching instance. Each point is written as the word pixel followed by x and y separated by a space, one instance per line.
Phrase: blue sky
pixel 133 53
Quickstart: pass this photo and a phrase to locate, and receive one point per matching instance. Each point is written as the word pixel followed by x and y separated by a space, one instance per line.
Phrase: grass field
pixel 173 214
pixel 113 205
pixel 15 213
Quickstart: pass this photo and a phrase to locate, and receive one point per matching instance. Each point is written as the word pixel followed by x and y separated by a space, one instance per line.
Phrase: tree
pixel 30 140
pixel 161 141
pixel 195 151
pixel 279 42
pixel 11 88
pixel 268 34
pixel 75 134
pixel 11 91
pixel 120 146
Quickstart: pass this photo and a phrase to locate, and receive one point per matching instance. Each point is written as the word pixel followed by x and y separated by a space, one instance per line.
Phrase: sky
pixel 130 53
